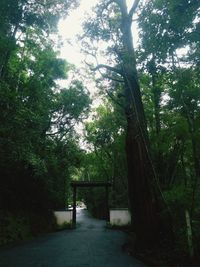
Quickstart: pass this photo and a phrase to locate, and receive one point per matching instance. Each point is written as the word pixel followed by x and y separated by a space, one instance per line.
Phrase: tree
pixel 160 53
pixel 168 54
pixel 38 142
pixel 19 16
pixel 113 24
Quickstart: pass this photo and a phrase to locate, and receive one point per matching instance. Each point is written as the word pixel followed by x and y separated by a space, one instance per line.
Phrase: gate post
pixel 74 206
pixel 107 204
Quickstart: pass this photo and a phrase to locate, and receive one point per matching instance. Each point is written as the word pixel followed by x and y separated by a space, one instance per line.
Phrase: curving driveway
pixel 90 244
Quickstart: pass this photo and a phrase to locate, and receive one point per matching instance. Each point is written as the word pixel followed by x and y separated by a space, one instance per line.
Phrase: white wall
pixel 120 217
pixel 64 216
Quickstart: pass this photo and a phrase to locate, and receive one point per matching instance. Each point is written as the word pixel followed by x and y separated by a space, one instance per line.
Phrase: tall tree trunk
pixel 140 176
pixel 144 191
pixel 159 161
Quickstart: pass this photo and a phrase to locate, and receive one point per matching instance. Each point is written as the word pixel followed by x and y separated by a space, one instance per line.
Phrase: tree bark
pixel 145 197
pixel 141 176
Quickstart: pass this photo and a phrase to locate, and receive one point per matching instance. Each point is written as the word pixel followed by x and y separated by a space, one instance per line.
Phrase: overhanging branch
pixel 113 78
pixel 116 79
pixel 103 66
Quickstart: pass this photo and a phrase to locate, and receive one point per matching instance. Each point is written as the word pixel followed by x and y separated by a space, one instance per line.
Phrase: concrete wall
pixel 120 217
pixel 63 217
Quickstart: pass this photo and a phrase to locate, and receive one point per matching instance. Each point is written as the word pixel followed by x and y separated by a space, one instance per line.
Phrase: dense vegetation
pixel 38 144
pixel 143 137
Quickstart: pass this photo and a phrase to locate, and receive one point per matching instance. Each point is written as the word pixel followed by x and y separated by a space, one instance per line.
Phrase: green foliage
pixel 20 225
pixel 170 88
pixel 13 228
pixel 162 33
pixel 106 160
pixel 38 143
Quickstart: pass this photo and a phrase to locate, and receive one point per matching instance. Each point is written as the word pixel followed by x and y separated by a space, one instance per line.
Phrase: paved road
pixel 91 245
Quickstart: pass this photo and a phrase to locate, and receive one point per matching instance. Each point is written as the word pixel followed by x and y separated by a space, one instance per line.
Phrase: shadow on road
pixel 90 244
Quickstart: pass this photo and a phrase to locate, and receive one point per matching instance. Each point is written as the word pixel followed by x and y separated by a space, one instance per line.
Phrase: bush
pixel 15 226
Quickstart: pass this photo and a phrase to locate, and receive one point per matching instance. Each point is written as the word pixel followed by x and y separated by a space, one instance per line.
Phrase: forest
pixel 143 136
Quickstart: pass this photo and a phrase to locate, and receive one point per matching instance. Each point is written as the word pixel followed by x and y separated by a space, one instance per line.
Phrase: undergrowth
pixel 21 225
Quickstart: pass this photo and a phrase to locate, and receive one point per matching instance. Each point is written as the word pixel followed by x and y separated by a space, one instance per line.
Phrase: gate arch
pixel 75 184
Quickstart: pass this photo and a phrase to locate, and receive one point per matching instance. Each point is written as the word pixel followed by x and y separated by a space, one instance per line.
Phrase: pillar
pixel 74 206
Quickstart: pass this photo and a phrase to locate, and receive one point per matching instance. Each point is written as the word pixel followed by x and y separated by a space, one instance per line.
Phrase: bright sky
pixel 71 26
pixel 68 29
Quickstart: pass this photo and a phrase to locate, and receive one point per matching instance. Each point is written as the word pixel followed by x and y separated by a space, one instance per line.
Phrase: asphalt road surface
pixel 90 244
